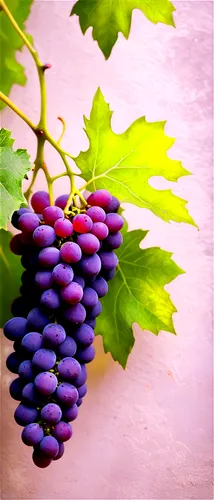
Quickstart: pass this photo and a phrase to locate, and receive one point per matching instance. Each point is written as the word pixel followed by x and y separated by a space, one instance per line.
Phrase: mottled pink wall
pixel 144 433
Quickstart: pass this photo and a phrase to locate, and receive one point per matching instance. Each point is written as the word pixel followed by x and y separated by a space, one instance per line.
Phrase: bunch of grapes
pixel 68 261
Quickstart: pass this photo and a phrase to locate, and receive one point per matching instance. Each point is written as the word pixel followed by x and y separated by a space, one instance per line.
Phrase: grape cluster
pixel 68 261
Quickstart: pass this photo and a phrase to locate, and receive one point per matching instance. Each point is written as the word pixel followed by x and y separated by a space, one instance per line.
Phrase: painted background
pixel 144 433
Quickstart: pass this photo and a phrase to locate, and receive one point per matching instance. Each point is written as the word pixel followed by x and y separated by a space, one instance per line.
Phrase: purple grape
pixel 100 286
pixel 31 395
pixel 28 222
pixel 16 244
pixel 95 311
pixel 16 389
pixel 84 335
pixel 70 252
pixel 67 348
pixel 75 314
pixel 81 379
pixel 44 236
pixel 54 334
pixel 90 265
pixel 40 460
pixel 108 275
pixel 96 214
pixel 17 214
pixel 109 260
pixel 49 446
pixel 90 322
pixel 36 320
pixel 79 280
pixel 90 297
pixel 82 223
pixel 32 434
pixel 79 402
pixel 46 383
pixel 61 201
pixel 63 228
pixel 40 201
pixel 62 431
pixel 13 361
pixel 100 230
pixel 49 257
pixel 51 413
pixel 44 359
pixel 67 394
pixel 86 355
pixel 82 390
pixel 32 341
pixel 43 279
pixel 112 206
pixel 15 328
pixel 88 243
pixel 62 274
pixel 72 293
pixel 114 222
pixel 70 414
pixel 114 240
pixel 69 368
pixel 50 299
pixel 61 451
pixel 25 415
pixel 52 214
pixel 25 371
pixel 101 197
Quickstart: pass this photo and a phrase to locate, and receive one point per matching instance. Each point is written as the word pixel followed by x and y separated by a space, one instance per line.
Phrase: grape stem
pixel 41 130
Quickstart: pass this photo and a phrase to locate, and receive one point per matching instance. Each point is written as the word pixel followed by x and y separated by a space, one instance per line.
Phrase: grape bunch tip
pixel 68 261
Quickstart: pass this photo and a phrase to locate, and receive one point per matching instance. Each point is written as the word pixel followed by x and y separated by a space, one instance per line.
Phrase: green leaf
pixel 124 163
pixel 108 17
pixel 11 271
pixel 136 294
pixel 13 167
pixel 10 70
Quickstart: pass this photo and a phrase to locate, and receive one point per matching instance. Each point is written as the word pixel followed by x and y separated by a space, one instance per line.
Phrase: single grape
pixel 85 355
pixel 16 245
pixel 69 368
pixel 63 228
pixel 90 297
pixel 82 390
pixel 32 434
pixel 28 222
pixel 109 260
pixel 79 280
pixel 75 314
pixel 114 222
pixel 100 286
pixel 96 214
pixel 84 335
pixel 88 243
pixel 40 460
pixel 95 311
pixel 70 252
pixel 15 328
pixel 46 383
pixel 31 396
pixel 53 334
pixel 25 415
pixel 40 201
pixel 13 361
pixel 62 431
pixel 81 379
pixel 25 371
pixel 20 307
pixel 112 206
pixel 49 257
pixel 67 348
pixel 67 394
pixel 70 414
pixel 114 240
pixel 79 402
pixel 100 230
pixel 72 293
pixel 17 214
pixel 101 197
pixel 50 299
pixel 62 274
pixel 43 279
pixel 44 236
pixel 16 389
pixel 108 275
pixel 49 446
pixel 61 201
pixel 61 451
pixel 82 223
pixel 36 320
pixel 52 214
pixel 90 265
pixel 90 322
pixel 44 359
pixel 31 342
pixel 51 413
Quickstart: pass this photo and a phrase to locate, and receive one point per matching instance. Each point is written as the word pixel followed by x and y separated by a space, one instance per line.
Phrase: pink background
pixel 144 433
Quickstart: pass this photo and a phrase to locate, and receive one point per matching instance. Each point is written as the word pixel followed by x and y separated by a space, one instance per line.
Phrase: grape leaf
pixel 136 294
pixel 11 71
pixel 124 163
pixel 108 17
pixel 13 167
pixel 11 271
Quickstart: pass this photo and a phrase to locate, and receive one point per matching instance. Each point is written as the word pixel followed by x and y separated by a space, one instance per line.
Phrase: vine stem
pixel 15 108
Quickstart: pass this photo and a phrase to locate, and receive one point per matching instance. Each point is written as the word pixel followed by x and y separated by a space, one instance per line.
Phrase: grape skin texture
pixel 44 359
pixel 49 446
pixel 40 201
pixel 32 434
